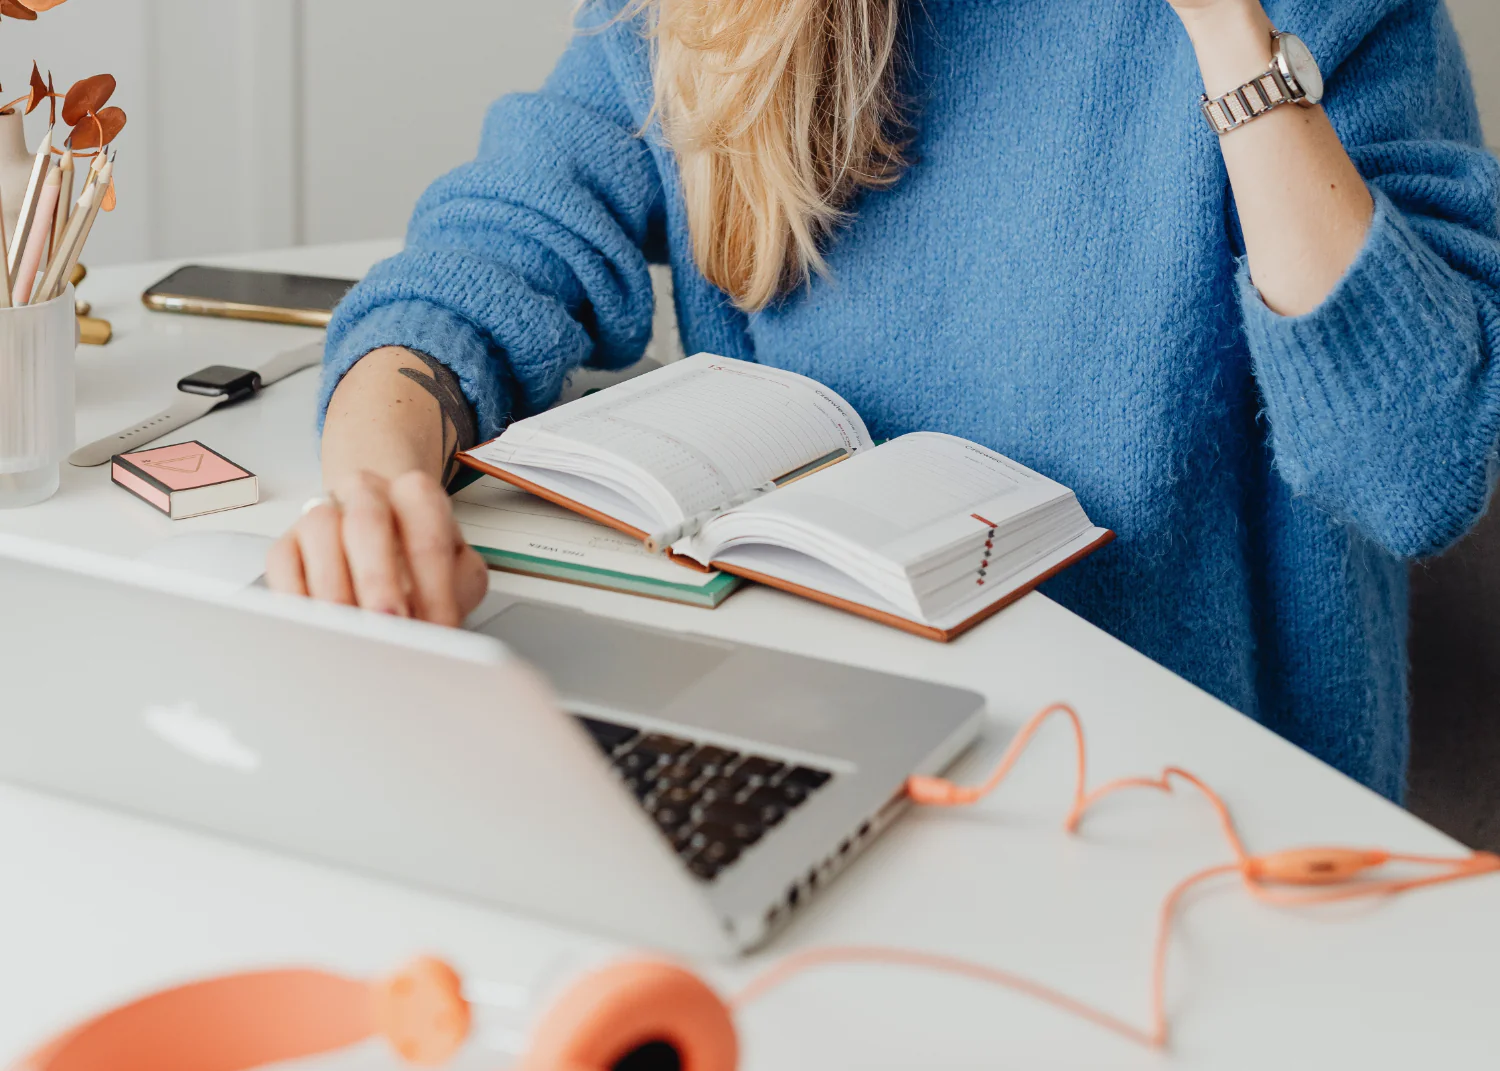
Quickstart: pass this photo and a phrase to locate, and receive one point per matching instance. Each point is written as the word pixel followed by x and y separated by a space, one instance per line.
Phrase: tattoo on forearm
pixel 460 429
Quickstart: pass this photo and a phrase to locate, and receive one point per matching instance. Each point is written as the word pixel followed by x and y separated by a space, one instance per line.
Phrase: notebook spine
pixel 661 542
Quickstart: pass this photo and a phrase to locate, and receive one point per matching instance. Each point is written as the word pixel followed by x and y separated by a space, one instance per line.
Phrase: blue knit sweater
pixel 1059 276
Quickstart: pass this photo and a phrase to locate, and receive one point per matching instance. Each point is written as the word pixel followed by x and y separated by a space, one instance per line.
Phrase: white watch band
pixel 186 408
pixel 289 361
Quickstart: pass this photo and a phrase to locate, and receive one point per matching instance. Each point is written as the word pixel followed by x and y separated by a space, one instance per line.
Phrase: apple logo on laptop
pixel 194 733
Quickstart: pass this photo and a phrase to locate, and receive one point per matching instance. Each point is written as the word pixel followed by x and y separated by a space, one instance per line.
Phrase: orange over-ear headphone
pixel 635 1015
pixel 650 1014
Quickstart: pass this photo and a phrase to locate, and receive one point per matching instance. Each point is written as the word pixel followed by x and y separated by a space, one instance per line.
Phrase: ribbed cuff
pixel 441 335
pixel 1378 390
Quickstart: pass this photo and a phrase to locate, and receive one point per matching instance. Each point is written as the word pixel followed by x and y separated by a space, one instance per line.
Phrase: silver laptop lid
pixel 402 749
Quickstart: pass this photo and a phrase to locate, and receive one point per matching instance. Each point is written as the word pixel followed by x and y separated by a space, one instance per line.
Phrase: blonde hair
pixel 779 113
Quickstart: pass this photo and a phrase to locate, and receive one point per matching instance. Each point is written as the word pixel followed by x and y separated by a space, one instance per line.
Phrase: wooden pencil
pixel 75 248
pixel 76 220
pixel 70 234
pixel 64 202
pixel 41 235
pixel 28 205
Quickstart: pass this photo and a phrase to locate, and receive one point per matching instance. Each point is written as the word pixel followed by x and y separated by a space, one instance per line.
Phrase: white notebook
pixel 521 533
pixel 772 476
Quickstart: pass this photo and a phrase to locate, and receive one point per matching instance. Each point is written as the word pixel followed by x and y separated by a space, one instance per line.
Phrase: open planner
pixel 771 476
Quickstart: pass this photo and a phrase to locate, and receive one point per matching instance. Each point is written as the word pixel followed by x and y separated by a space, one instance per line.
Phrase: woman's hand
pixel 389 545
pixel 386 539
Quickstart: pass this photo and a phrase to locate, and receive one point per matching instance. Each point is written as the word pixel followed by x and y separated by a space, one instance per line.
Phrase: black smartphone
pixel 239 294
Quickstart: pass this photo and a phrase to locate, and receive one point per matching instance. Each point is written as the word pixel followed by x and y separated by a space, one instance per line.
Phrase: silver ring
pixel 315 503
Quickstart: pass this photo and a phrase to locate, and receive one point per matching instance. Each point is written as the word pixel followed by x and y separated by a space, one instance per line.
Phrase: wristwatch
pixel 1294 78
pixel 198 395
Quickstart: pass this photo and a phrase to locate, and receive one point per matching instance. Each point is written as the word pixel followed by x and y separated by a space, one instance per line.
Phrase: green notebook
pixel 521 533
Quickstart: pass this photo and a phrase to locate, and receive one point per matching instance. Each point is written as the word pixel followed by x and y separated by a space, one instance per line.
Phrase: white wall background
pixel 1478 23
pixel 265 123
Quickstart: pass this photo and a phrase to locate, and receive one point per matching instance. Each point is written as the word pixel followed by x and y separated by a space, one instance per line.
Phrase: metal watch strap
pixel 1250 101
pixel 186 408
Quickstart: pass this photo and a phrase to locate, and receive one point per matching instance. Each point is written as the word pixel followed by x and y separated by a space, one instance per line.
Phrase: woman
pixel 1265 358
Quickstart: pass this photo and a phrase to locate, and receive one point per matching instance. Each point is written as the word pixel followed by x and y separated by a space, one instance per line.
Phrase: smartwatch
pixel 198 395
pixel 221 381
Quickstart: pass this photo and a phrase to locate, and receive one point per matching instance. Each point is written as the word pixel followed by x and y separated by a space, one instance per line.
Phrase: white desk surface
pixel 97 907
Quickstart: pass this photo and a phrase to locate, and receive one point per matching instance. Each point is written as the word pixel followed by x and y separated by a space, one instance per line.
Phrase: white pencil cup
pixel 36 398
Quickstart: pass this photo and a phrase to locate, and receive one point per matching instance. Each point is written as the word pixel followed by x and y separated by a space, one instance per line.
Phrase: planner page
pixel 809 572
pixel 909 499
pixel 707 429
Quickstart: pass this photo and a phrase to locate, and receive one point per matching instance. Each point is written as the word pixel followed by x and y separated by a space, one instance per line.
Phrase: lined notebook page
pixel 906 487
pixel 707 428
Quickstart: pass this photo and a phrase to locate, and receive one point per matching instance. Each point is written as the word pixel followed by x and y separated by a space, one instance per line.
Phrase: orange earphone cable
pixel 837 955
pixel 940 792
pixel 1459 869
pixel 1335 871
pixel 1164 784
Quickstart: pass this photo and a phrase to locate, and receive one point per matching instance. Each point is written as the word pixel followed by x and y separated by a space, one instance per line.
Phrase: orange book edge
pixel 905 624
pixel 869 612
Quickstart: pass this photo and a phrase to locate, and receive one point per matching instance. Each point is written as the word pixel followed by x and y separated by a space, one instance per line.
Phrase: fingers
pixel 309 559
pixel 372 546
pixel 389 546
pixel 284 566
pixel 430 538
pixel 472 578
pixel 320 544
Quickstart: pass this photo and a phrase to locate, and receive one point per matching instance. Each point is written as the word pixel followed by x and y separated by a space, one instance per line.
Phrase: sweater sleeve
pixel 526 262
pixel 1384 402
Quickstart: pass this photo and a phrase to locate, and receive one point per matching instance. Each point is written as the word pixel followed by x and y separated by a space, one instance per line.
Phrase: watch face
pixel 220 380
pixel 1298 61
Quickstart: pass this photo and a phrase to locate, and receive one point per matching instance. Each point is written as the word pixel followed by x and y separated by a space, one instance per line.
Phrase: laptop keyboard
pixel 712 803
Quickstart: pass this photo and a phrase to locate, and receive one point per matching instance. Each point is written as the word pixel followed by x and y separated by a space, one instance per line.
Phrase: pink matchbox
pixel 185 479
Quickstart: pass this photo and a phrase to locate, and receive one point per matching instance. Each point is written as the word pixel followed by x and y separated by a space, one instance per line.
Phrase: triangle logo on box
pixel 181 463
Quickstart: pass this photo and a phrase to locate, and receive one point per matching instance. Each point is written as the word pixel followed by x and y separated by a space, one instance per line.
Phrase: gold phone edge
pixel 230 310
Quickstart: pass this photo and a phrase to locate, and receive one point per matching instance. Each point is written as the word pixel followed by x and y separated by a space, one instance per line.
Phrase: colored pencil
pixel 41 234
pixel 28 204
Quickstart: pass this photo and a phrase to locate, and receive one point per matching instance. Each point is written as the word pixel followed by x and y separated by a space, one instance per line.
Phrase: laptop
pixel 664 788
